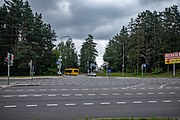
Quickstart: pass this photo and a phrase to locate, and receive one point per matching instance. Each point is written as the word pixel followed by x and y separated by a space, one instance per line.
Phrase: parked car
pixel 93 74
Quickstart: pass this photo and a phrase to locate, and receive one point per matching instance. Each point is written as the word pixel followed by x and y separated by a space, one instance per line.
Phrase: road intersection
pixel 75 97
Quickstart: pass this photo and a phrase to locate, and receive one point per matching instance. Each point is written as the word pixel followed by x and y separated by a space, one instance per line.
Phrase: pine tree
pixel 88 53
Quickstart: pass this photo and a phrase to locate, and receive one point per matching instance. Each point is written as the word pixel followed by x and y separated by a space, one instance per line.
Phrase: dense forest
pixel 27 37
pixel 145 41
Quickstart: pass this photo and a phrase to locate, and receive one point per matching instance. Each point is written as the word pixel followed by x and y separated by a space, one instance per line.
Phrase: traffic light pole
pixel 8 73
pixel 8 56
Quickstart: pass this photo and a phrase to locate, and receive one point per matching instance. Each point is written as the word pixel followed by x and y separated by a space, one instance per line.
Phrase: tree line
pixel 25 35
pixel 145 40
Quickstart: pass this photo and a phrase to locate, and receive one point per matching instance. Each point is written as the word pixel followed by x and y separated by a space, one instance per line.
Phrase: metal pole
pixel 8 72
pixel 123 62
pixel 174 70
pixel 32 72
pixel 8 67
pixel 142 69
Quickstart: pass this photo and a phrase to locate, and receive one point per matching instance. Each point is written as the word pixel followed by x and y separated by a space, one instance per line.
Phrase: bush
pixel 156 70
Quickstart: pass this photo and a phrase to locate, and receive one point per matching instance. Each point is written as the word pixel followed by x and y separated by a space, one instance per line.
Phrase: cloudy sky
pixel 101 18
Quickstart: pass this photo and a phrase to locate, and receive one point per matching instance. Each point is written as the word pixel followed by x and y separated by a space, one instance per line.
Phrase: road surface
pixel 75 97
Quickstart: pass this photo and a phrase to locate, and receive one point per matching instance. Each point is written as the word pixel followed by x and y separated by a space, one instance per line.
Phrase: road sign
pixel 57 62
pixel 172 58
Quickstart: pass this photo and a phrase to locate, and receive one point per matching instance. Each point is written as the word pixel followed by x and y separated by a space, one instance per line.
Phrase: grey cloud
pixel 101 18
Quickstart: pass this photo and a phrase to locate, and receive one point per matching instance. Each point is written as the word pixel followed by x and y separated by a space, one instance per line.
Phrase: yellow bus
pixel 71 71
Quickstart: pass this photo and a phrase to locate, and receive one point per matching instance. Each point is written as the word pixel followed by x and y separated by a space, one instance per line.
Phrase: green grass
pixel 86 118
pixel 136 119
pixel 147 75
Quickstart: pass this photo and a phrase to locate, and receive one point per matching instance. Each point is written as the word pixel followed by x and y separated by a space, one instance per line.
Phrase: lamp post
pixel 123 62
pixel 60 55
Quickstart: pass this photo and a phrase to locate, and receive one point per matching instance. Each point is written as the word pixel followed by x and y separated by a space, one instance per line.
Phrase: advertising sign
pixel 172 58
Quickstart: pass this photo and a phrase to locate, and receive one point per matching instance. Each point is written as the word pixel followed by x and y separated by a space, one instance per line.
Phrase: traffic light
pixel 12 58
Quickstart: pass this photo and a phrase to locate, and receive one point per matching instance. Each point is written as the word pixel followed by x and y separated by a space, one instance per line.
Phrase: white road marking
pixel 153 101
pixel 105 103
pixel 142 88
pixel 37 95
pixel 160 92
pixel 176 87
pixel 167 101
pixel 151 88
pixel 7 90
pixel 85 89
pixel 64 89
pixel 75 89
pixel 53 89
pixel 78 94
pixel 139 93
pixel 91 94
pixel 31 90
pixel 115 94
pixel 65 95
pixel 121 102
pixel 178 100
pixel 10 106
pixel 19 90
pixel 7 96
pixel 124 88
pixel 128 93
pixel 70 104
pixel 43 89
pixel 104 94
pixel 172 93
pixel 95 89
pixel 52 95
pixel 133 88
pixel 162 86
pixel 105 88
pixel 168 87
pixel 137 102
pixel 150 93
pixel 23 95
pixel 88 103
pixel 31 105
pixel 51 105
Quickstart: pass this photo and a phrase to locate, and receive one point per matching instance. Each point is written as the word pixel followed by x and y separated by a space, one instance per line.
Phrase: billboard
pixel 172 58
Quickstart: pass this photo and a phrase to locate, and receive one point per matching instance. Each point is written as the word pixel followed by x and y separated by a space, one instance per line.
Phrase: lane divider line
pixel 153 101
pixel 137 102
pixel 70 104
pixel 51 105
pixel 167 101
pixel 31 105
pixel 121 102
pixel 10 106
pixel 88 103
pixel 105 103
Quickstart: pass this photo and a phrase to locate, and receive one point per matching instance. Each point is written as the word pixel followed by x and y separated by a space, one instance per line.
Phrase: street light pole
pixel 60 55
pixel 123 62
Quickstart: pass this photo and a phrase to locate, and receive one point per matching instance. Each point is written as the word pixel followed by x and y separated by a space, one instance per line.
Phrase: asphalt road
pixel 69 98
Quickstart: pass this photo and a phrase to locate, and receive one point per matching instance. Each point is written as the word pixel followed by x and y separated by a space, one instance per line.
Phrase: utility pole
pixel 123 62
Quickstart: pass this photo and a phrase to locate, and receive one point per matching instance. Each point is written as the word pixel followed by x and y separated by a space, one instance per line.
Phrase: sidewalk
pixel 35 77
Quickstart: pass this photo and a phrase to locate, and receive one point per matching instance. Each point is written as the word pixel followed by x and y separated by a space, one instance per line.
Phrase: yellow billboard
pixel 172 58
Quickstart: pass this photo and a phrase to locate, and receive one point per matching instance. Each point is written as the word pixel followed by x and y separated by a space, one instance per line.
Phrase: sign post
pixel 9 59
pixel 172 58
pixel 142 67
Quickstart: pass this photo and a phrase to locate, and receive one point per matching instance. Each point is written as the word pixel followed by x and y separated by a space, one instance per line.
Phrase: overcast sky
pixel 101 18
